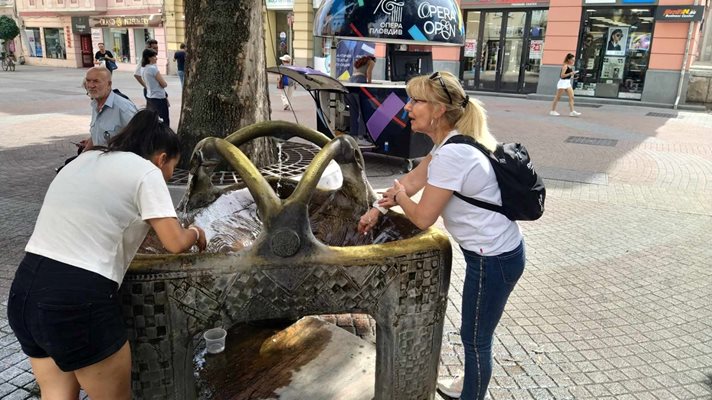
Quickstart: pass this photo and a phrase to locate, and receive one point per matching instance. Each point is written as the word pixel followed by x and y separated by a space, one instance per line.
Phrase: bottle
pixel 386 147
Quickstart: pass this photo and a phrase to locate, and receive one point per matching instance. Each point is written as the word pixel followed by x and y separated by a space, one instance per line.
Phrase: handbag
pixel 110 65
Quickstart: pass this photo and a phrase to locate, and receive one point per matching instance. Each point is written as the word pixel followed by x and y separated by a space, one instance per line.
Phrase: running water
pixel 279 168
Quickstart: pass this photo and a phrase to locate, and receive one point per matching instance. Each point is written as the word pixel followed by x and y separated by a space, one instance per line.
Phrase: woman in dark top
pixel 614 41
pixel 564 85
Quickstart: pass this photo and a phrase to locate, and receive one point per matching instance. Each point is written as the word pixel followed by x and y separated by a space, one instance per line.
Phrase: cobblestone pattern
pixel 615 299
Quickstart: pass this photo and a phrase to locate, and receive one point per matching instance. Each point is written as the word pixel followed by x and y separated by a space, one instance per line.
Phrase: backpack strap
pixel 472 142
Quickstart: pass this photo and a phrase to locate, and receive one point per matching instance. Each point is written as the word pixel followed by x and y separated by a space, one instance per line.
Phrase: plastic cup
pixel 215 340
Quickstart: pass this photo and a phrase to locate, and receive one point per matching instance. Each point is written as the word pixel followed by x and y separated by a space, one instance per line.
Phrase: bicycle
pixel 8 62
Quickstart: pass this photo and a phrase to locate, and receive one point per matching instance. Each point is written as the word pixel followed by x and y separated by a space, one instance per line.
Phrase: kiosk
pixel 380 104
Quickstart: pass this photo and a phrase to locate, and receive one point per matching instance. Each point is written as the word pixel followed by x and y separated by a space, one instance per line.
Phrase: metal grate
pixel 295 160
pixel 662 115
pixel 591 140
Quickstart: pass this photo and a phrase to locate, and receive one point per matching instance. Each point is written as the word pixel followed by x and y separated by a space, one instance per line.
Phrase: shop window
pixel 141 36
pixel 55 46
pixel 118 43
pixel 34 42
pixel 613 52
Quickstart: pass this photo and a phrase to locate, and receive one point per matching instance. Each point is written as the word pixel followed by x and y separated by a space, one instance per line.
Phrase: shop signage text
pixel 123 21
pixel 392 20
pixel 504 3
pixel 679 13
pixel 81 25
pixel 280 4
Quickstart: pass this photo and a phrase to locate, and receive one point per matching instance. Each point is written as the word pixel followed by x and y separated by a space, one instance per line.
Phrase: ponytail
pixel 145 135
pixel 473 122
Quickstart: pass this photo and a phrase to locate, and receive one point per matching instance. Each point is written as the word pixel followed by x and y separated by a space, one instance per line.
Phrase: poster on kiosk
pixel 375 111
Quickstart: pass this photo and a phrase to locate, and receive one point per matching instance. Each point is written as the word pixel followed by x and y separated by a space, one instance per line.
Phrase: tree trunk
pixel 225 77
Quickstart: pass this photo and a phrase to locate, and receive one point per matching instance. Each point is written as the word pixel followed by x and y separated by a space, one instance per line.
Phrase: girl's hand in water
pixel 368 220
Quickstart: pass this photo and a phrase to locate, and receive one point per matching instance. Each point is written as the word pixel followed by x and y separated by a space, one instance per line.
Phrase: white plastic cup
pixel 215 340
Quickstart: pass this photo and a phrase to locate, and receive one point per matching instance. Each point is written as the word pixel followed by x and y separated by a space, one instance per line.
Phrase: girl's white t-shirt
pixel 95 210
pixel 462 168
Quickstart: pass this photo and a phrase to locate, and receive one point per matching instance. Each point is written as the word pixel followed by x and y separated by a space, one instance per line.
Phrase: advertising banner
pixel 679 13
pixel 437 22
pixel 348 51
pixel 617 41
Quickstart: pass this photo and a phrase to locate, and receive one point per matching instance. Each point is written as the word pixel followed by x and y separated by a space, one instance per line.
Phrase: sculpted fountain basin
pixel 287 272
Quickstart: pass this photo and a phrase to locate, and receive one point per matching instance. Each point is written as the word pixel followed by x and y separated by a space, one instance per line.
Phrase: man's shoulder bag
pixel 523 192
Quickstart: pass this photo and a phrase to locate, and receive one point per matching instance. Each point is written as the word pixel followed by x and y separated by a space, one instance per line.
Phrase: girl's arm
pixel 160 80
pixel 174 237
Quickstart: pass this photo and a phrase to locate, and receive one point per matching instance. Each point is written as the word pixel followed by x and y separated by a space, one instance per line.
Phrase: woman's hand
pixel 368 220
pixel 390 196
pixel 202 242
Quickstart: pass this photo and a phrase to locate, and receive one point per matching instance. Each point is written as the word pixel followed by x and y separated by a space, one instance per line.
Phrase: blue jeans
pixel 181 76
pixel 488 282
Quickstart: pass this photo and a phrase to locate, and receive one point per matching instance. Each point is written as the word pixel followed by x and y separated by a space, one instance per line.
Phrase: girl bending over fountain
pixel 63 305
pixel 492 244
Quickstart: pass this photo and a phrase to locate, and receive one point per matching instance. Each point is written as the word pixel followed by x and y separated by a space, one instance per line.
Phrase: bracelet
pixel 395 196
pixel 379 208
pixel 197 232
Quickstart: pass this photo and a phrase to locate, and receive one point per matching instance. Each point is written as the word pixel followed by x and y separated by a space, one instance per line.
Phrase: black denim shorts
pixel 64 312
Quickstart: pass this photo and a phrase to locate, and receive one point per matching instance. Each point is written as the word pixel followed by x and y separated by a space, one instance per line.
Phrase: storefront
pixel 126 36
pixel 614 52
pixel 48 41
pixel 504 43
pixel 625 49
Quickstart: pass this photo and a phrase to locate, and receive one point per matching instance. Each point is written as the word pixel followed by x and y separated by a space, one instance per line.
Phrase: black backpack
pixel 523 192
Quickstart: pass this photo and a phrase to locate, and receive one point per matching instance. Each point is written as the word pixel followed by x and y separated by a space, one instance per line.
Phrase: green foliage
pixel 8 28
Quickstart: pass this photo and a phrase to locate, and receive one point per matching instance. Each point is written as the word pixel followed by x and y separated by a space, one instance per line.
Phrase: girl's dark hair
pixel 147 53
pixel 617 31
pixel 568 57
pixel 146 135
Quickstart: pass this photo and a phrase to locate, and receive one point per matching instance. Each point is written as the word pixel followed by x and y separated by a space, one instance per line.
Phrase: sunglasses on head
pixel 437 76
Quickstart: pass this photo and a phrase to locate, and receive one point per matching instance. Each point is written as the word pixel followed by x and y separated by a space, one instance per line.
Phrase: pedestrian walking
pixel 64 306
pixel 179 58
pixel 493 245
pixel 566 75
pixel 285 85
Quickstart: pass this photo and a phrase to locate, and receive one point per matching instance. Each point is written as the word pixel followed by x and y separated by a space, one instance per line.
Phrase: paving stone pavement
pixel 616 298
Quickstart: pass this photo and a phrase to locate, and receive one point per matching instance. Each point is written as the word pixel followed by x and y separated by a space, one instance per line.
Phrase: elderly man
pixel 109 112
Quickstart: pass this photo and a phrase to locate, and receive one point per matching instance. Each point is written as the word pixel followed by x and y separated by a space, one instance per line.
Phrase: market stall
pixel 384 124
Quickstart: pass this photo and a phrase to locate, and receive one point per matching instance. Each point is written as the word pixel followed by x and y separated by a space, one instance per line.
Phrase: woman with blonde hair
pixel 492 244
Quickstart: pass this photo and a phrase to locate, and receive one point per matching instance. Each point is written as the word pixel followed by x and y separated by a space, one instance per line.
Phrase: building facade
pixel 511 46
pixel 66 33
pixel 619 45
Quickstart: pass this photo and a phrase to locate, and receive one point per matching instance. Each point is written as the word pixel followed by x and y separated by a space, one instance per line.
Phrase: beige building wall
pixel 175 30
pixel 303 32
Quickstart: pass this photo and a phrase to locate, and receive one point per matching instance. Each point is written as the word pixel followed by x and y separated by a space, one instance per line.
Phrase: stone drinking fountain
pixel 287 272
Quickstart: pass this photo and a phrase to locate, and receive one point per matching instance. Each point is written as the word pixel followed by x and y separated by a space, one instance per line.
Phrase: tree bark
pixel 225 78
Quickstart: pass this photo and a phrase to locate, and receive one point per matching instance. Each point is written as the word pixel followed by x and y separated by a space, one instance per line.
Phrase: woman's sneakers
pixel 554 113
pixel 454 389
pixel 574 114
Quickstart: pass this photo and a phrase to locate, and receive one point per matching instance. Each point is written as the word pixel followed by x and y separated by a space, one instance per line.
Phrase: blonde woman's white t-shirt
pixel 95 210
pixel 462 168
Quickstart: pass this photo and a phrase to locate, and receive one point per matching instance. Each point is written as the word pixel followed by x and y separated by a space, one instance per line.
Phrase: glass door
pixel 513 43
pixel 472 43
pixel 490 57
pixel 503 50
pixel 535 44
